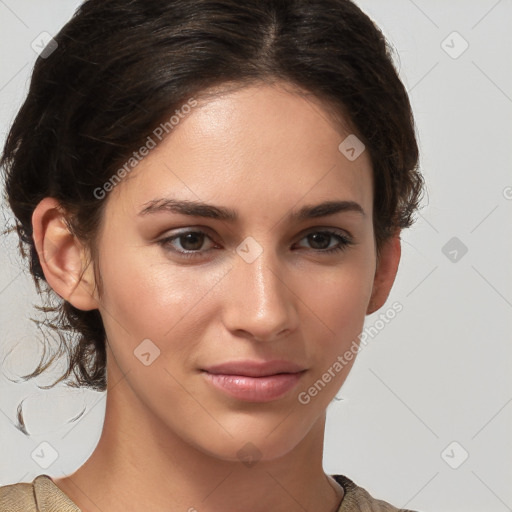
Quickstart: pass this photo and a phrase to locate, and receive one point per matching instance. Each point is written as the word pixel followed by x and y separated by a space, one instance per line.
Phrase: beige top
pixel 42 495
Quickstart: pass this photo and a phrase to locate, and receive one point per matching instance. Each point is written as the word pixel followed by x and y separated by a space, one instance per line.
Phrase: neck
pixel 140 464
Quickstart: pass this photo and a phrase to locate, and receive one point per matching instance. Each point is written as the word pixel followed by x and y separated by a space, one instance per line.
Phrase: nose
pixel 261 304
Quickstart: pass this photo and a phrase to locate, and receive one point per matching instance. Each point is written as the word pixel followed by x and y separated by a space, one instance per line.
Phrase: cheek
pixel 154 299
pixel 338 299
pixel 339 295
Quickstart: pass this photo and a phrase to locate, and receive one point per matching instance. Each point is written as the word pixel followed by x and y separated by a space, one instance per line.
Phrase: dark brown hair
pixel 122 66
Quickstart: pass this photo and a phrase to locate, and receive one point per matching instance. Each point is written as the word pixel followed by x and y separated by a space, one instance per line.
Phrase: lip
pixel 255 381
pixel 251 368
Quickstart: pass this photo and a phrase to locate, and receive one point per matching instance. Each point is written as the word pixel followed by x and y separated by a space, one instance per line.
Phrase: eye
pixel 193 240
pixel 322 238
pixel 190 241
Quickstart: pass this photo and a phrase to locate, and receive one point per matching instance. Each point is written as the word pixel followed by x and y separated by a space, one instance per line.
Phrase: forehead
pixel 260 146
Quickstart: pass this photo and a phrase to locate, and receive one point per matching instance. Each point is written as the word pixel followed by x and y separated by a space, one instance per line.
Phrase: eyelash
pixel 344 242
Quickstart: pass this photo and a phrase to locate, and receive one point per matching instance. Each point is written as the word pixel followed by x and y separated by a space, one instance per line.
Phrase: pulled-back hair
pixel 121 67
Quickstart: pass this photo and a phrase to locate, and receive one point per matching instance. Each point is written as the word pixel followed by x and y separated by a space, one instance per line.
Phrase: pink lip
pixel 255 381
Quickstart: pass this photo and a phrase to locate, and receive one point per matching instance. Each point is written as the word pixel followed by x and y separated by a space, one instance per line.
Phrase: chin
pixel 251 443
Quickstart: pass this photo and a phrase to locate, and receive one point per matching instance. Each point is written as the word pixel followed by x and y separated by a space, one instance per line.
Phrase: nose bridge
pixel 263 302
pixel 264 278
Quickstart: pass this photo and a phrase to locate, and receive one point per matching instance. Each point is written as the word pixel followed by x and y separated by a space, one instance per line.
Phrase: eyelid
pixel 342 231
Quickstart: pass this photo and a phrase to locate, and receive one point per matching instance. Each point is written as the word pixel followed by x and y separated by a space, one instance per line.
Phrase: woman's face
pixel 264 286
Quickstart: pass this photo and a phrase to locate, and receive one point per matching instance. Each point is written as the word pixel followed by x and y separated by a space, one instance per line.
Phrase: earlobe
pixel 62 256
pixel 385 273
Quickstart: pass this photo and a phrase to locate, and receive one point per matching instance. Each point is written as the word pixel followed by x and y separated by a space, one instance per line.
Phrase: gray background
pixel 439 372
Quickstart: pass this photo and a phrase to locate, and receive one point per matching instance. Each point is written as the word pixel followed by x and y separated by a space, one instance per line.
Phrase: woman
pixel 277 136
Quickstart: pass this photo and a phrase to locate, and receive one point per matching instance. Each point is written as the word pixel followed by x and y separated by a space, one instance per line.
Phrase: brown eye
pixel 320 241
pixel 190 241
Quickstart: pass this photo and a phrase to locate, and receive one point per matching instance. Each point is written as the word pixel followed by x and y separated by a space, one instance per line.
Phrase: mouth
pixel 255 381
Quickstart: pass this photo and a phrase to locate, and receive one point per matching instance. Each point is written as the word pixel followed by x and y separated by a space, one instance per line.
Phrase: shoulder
pixel 17 498
pixel 357 499
pixel 39 495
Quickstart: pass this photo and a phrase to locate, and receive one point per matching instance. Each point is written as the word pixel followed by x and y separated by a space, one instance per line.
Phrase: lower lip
pixel 255 389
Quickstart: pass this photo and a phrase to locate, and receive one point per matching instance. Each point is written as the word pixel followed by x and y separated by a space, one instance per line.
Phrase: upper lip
pixel 253 368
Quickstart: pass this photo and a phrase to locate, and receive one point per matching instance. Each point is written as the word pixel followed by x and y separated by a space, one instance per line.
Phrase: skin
pixel 170 440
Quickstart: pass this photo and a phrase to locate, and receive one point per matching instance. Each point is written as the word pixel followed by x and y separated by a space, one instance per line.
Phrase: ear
pixel 385 273
pixel 62 256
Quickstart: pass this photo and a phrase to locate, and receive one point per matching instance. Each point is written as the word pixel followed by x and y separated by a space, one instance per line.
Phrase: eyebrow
pixel 200 209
